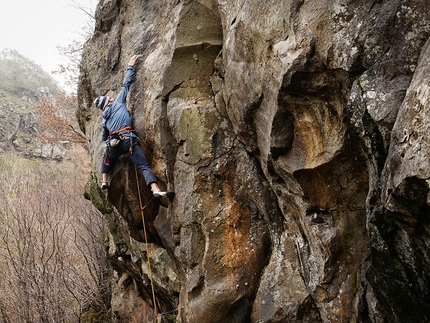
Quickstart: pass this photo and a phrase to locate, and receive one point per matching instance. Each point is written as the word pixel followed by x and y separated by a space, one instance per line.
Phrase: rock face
pixel 296 136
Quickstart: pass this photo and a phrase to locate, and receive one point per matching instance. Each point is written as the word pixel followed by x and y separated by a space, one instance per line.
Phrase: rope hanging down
pixel 142 207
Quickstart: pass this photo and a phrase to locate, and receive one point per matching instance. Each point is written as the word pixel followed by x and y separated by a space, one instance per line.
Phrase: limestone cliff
pixel 296 136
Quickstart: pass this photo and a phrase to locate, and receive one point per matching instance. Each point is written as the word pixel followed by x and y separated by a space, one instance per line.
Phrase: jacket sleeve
pixel 105 131
pixel 122 96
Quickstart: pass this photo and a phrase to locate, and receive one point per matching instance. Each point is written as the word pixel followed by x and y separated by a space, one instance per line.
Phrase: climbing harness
pixel 142 208
pixel 122 134
pixel 115 138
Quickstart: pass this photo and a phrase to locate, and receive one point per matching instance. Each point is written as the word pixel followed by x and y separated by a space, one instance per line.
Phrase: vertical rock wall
pixel 295 134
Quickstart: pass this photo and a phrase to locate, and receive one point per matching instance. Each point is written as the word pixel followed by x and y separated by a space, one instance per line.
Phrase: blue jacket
pixel 116 115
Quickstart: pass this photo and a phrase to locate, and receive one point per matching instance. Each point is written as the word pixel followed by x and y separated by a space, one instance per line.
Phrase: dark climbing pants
pixel 137 157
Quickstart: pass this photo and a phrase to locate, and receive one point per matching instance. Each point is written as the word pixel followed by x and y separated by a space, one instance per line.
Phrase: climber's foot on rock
pixel 169 194
pixel 104 186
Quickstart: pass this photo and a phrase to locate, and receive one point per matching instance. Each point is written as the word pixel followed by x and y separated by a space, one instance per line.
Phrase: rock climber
pixel 119 136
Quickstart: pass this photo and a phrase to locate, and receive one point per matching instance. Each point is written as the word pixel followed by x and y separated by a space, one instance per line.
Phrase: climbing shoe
pixel 169 194
pixel 104 185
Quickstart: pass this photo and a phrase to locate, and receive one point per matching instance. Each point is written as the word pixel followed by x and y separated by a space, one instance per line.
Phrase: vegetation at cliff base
pixel 51 242
pixel 51 239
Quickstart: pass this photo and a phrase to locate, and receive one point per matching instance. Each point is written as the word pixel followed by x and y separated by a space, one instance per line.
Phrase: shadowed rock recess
pixel 296 136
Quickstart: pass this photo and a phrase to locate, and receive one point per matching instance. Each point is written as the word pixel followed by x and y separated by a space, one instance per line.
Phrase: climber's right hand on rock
pixel 133 60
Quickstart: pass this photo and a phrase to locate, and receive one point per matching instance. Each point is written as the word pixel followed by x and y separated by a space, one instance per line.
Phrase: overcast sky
pixel 36 27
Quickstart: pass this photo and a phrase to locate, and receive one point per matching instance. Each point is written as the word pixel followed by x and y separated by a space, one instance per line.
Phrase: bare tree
pixel 57 121
pixel 72 53
pixel 88 11
pixel 51 245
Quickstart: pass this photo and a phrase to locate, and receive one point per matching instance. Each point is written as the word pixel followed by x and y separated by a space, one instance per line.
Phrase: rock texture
pixel 296 135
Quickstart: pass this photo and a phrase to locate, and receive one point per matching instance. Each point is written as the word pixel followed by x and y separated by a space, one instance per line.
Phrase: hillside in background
pixel 24 86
